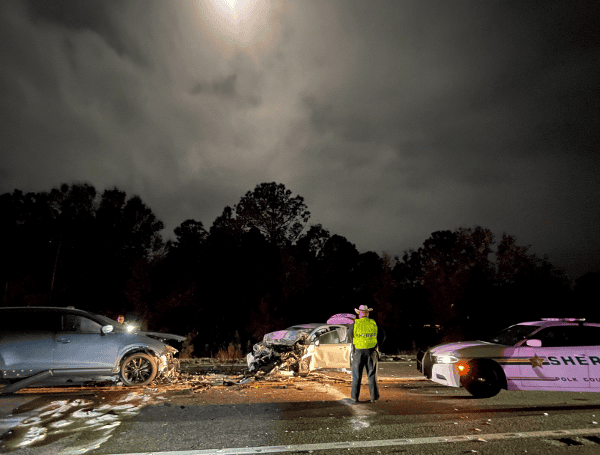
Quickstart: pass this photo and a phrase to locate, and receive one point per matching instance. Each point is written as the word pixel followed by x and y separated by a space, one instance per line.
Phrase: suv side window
pixel 76 323
pixel 29 321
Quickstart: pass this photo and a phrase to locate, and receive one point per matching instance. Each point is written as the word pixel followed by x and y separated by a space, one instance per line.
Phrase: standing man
pixel 364 343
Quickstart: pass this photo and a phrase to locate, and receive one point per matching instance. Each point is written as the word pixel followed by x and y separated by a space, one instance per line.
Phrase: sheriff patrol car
pixel 551 354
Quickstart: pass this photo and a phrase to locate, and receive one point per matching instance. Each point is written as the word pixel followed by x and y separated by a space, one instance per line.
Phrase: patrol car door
pixel 590 338
pixel 330 351
pixel 559 364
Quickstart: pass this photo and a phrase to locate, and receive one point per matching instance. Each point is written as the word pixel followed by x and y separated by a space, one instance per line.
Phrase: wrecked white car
pixel 52 345
pixel 305 347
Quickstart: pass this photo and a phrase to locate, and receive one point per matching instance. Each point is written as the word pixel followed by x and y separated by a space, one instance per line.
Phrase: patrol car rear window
pixel 590 335
pixel 513 334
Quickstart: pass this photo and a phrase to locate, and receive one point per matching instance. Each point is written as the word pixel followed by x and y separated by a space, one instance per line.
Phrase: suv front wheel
pixel 138 369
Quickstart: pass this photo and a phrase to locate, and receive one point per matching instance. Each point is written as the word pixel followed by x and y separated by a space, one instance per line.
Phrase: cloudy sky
pixel 393 119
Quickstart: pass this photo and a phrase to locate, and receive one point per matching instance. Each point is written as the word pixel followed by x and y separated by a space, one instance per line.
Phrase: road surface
pixel 296 415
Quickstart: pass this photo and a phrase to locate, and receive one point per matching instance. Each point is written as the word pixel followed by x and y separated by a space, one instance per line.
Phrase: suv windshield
pixel 513 334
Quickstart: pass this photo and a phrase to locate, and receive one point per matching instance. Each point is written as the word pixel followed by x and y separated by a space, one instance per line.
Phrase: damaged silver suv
pixel 53 345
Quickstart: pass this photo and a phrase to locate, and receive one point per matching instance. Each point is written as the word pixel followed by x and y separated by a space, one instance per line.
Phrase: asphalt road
pixel 296 415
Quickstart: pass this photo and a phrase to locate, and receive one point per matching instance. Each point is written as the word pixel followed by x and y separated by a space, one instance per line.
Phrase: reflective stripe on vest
pixel 365 333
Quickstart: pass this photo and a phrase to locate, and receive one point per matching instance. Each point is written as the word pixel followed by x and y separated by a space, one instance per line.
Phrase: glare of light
pixel 235 11
pixel 462 367
pixel 234 25
pixel 448 358
pixel 130 328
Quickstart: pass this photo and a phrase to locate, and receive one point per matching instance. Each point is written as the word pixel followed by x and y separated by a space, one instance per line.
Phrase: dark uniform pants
pixel 364 358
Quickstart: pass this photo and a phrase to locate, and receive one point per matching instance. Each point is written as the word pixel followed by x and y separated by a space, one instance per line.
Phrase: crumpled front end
pixel 266 355
pixel 168 365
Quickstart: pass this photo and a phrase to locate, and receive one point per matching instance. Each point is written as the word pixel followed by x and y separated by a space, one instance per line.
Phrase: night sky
pixel 393 119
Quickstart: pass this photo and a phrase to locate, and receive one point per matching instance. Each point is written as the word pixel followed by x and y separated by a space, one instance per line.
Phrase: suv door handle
pixel 63 340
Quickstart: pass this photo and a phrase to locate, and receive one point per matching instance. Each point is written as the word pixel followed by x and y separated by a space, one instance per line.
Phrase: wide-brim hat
pixel 363 309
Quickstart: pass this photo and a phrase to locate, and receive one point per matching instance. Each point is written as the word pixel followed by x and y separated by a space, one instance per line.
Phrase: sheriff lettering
pixel 574 360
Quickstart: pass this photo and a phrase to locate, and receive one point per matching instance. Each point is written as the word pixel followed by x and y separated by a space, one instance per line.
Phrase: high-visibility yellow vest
pixel 365 333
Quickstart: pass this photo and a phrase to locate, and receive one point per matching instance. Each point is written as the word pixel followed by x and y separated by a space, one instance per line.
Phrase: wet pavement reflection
pixel 90 420
pixel 86 417
pixel 89 415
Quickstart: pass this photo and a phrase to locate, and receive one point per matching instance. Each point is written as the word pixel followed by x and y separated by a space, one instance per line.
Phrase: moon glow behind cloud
pixel 393 119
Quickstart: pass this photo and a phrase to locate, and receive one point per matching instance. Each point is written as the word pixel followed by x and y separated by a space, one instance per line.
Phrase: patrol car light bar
pixel 564 319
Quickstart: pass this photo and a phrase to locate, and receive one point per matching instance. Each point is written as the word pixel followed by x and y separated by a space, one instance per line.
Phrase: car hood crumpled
pixel 164 336
pixel 284 337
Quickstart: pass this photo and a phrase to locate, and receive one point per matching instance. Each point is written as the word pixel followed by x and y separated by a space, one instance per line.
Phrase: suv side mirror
pixel 534 343
pixel 106 329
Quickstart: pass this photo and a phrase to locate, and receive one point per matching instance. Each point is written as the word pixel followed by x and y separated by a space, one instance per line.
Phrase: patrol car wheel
pixel 482 382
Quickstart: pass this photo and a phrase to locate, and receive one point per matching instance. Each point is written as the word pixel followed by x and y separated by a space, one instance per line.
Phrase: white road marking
pixel 380 443
pixel 362 413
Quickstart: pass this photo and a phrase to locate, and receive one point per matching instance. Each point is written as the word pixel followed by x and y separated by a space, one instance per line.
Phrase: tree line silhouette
pixel 262 267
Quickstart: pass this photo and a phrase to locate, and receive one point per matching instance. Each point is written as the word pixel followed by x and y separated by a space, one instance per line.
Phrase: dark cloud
pixel 90 15
pixel 224 86
pixel 392 119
